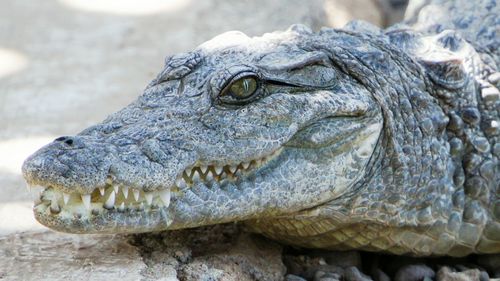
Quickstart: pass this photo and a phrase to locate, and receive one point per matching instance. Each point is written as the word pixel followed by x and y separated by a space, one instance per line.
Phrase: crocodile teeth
pixel 122 206
pixel 136 193
pixel 125 191
pixel 149 197
pixel 196 176
pixel 101 191
pixel 111 201
pixel 180 183
pixel 203 169
pixel 65 198
pixel 86 201
pixel 54 206
pixel 232 168
pixel 165 196
pixel 218 170
pixel 245 165
pixel 209 176
pixel 115 188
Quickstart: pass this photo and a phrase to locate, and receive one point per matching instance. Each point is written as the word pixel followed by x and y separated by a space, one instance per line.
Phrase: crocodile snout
pixel 71 164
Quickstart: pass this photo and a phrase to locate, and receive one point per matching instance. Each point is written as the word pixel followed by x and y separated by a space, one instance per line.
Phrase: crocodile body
pixel 360 138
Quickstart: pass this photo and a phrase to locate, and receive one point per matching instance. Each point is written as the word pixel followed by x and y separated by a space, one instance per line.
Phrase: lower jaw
pixel 106 222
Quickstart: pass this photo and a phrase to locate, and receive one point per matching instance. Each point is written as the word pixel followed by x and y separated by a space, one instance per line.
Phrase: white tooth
pixel 188 172
pixel 196 176
pixel 165 196
pixel 122 206
pixel 115 188
pixel 209 176
pixel 203 169
pixel 54 206
pixel 86 201
pixel 149 197
pixel 245 165
pixel 141 206
pixel 125 191
pixel 180 183
pixel 218 169
pixel 232 168
pixel 136 193
pixel 65 198
pixel 111 201
pixel 101 191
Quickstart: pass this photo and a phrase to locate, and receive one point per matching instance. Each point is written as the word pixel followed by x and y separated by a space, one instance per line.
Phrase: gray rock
pixel 326 276
pixel 379 275
pixel 211 253
pixel 446 274
pixel 291 277
pixel 353 274
pixel 414 272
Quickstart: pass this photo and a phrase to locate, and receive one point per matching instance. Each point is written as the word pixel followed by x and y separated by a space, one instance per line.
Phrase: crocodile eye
pixel 243 88
pixel 240 90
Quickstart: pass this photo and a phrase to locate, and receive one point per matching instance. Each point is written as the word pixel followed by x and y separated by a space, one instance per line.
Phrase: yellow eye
pixel 243 88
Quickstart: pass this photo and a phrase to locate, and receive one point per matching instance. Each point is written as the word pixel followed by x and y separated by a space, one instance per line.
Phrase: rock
pixel 291 277
pixel 326 276
pixel 327 270
pixel 220 252
pixel 414 272
pixel 353 274
pixel 310 267
pixel 57 256
pixel 483 276
pixel 341 259
pixel 446 274
pixel 200 271
pixel 379 275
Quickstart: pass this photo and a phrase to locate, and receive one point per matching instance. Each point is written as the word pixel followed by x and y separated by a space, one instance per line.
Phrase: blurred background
pixel 67 64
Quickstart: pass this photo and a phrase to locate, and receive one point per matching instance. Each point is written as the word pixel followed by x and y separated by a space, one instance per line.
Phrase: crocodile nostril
pixel 67 140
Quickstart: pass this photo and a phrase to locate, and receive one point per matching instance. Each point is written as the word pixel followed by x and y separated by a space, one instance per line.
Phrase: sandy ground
pixel 67 64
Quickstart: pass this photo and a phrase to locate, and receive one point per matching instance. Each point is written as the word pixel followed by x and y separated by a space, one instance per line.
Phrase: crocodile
pixel 356 138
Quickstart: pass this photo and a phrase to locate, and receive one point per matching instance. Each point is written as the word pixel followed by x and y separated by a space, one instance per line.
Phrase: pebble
pixel 326 276
pixel 446 274
pixel 353 274
pixel 414 272
pixel 379 275
pixel 291 277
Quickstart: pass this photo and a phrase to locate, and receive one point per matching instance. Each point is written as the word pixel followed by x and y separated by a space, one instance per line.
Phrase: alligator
pixel 356 138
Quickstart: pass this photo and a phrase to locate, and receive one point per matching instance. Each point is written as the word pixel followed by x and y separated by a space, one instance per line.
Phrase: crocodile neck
pixel 429 170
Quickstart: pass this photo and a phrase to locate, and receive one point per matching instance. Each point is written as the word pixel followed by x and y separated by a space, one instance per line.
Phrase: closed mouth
pixel 117 197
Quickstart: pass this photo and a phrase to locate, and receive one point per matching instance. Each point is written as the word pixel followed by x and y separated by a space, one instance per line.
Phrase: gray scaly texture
pixel 359 138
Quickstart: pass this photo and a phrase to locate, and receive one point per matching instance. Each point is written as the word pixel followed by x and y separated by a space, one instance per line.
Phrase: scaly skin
pixel 342 139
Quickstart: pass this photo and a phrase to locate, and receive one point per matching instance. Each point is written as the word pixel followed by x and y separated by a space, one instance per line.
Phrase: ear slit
pixel 281 83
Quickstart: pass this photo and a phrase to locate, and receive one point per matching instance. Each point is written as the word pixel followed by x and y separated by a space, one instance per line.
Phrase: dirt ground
pixel 67 64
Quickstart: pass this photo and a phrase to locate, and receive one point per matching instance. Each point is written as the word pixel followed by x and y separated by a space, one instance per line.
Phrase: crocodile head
pixel 241 128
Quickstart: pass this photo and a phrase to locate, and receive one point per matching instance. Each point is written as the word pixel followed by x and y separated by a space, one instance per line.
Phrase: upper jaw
pixel 115 204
